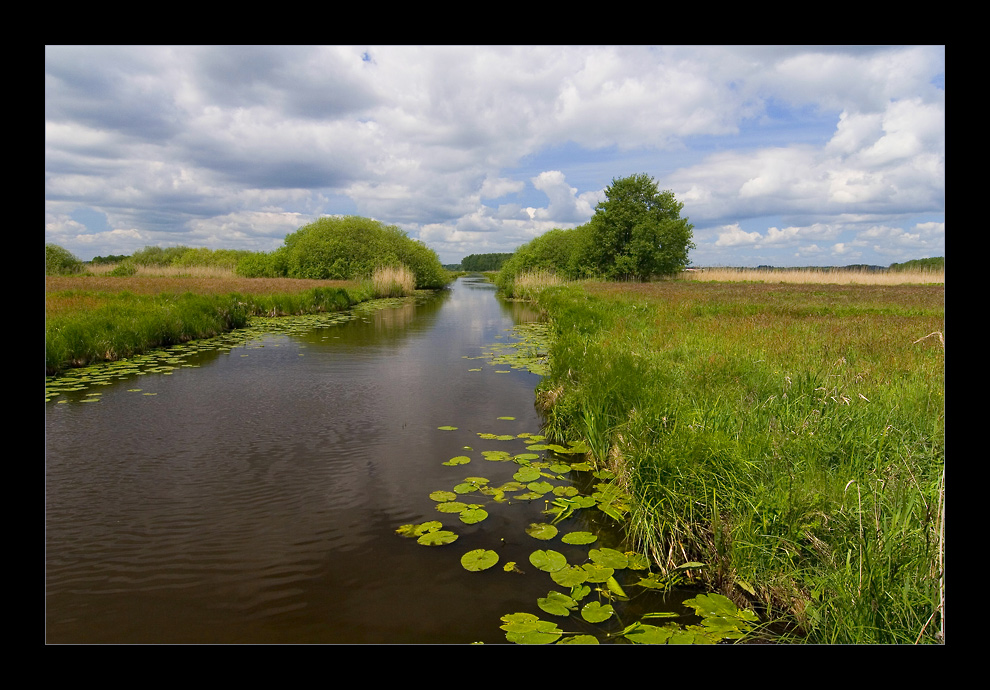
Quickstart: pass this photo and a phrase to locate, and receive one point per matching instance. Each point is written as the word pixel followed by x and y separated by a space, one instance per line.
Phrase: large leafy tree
pixel 637 231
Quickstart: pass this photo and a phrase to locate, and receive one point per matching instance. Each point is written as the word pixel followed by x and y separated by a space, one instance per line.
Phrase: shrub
pixel 60 261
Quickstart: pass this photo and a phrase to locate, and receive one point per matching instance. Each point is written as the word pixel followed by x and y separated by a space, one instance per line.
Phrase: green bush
pixel 60 261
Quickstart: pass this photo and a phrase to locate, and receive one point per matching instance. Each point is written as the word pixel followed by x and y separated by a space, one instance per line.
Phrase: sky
pixel 781 155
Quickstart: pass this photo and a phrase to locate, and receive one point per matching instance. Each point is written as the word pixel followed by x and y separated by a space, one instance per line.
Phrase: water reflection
pixel 255 497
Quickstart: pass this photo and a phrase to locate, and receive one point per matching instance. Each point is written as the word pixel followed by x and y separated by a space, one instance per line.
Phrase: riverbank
pixel 789 436
pixel 101 318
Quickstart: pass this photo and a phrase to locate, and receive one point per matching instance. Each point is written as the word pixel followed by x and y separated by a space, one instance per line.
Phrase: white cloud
pixel 227 143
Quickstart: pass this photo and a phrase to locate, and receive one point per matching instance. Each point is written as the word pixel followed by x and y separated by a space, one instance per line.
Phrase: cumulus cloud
pixel 458 144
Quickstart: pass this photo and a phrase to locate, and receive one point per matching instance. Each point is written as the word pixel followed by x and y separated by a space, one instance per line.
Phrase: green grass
pixel 789 436
pixel 87 326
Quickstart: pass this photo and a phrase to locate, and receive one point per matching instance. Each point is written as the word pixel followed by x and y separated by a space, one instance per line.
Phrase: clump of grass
pixel 528 284
pixel 393 281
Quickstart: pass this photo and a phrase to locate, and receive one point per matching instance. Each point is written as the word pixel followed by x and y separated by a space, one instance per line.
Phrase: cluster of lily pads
pixel 588 590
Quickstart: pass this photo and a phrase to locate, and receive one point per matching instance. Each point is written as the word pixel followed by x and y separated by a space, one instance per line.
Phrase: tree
pixel 637 231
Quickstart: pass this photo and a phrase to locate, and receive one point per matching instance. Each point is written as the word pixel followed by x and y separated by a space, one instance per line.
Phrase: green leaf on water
pixel 557 604
pixel 438 538
pixel 473 514
pixel 540 487
pixel 643 633
pixel 479 559
pixel 443 495
pixel 525 628
pixel 578 538
pixel 527 474
pixel 451 506
pixel 572 576
pixel 447 428
pixel 541 530
pixel 420 529
pixel 595 612
pixel 597 573
pixel 507 418
pixel 609 558
pixel 580 639
pixel 549 560
pixel 459 460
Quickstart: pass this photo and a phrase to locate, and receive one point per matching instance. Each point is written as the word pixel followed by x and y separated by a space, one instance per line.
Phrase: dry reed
pixel 823 275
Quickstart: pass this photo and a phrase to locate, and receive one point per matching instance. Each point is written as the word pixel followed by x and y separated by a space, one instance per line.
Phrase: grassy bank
pixel 99 318
pixel 788 435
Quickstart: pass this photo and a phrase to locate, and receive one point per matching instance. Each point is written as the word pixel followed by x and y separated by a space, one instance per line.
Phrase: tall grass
pixel 790 436
pixel 840 276
pixel 393 281
pixel 91 319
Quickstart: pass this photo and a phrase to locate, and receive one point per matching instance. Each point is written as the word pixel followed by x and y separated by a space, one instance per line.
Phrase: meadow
pixel 789 435
pixel 101 317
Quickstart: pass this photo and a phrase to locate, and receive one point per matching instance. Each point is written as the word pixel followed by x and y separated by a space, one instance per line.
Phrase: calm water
pixel 255 498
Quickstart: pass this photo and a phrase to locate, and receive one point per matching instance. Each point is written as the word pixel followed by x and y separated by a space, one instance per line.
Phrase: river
pixel 253 494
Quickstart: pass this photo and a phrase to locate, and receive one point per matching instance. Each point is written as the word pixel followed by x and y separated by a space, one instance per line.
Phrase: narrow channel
pixel 255 496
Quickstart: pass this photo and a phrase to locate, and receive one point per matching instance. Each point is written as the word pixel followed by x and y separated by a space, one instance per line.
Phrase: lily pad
pixel 527 474
pixel 525 628
pixel 549 560
pixel 447 428
pixel 443 495
pixel 437 538
pixel 571 576
pixel 459 460
pixel 557 604
pixel 596 612
pixel 541 530
pixel 609 558
pixel 479 559
pixel 578 538
pixel 473 514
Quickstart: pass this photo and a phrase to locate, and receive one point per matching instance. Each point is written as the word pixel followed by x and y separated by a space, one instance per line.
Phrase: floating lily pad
pixel 479 559
pixel 571 576
pixel 525 628
pixel 578 538
pixel 443 495
pixel 541 530
pixel 420 529
pixel 447 428
pixel 540 487
pixel 473 514
pixel 527 474
pixel 507 418
pixel 451 507
pixel 596 612
pixel 609 558
pixel 459 460
pixel 437 538
pixel 549 560
pixel 557 604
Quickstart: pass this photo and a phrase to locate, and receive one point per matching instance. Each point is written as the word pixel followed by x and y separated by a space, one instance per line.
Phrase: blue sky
pixel 782 155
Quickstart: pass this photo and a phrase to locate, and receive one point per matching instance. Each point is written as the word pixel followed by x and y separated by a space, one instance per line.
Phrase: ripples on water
pixel 255 498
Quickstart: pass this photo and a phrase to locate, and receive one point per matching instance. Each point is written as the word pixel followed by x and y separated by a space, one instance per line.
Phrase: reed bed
pixel 840 276
pixel 790 436
pixel 393 281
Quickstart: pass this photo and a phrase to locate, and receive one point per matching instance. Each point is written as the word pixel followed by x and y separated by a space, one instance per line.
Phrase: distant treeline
pixel 932 264
pixel 485 262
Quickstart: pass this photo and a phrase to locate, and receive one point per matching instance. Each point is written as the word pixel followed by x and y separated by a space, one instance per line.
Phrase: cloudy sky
pixel 792 155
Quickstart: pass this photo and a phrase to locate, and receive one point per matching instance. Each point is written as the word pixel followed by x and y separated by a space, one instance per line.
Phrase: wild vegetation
pixel 161 296
pixel 789 436
pixel 636 233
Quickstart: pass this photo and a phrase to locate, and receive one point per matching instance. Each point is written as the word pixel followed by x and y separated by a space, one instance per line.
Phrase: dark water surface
pixel 255 498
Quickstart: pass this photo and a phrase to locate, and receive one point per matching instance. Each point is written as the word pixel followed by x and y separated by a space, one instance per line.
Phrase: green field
pixel 790 436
